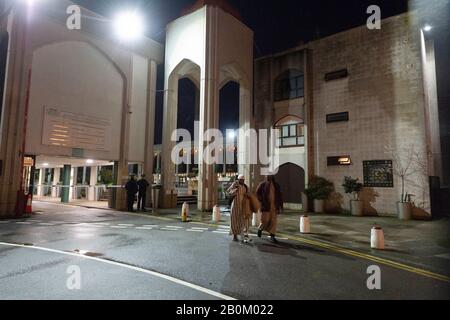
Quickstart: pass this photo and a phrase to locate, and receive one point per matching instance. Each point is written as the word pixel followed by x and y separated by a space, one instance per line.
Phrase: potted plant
pixel 155 195
pixel 319 189
pixel 403 167
pixel 354 187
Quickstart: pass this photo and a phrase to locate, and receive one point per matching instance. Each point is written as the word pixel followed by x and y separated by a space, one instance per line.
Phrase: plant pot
pixel 356 208
pixel 319 206
pixel 155 198
pixel 404 210
pixel 305 202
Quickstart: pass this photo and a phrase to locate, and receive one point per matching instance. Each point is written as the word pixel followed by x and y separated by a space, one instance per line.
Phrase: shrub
pixel 353 187
pixel 319 188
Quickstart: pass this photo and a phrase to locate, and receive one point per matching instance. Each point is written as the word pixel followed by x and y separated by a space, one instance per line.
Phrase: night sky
pixel 278 25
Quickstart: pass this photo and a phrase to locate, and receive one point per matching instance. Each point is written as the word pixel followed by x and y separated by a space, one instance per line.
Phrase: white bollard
pixel 304 224
pixel 377 238
pixel 185 212
pixel 216 214
pixel 256 221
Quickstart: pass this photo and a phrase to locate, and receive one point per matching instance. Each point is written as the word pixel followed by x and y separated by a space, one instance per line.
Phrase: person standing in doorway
pixel 239 210
pixel 270 196
pixel 142 195
pixel 132 188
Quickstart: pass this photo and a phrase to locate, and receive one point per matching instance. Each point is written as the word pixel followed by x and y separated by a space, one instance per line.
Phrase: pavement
pixel 155 256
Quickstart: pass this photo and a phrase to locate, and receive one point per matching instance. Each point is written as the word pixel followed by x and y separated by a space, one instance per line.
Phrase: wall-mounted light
pixel 345 161
pixel 339 161
pixel 427 28
pixel 89 161
pixel 45 164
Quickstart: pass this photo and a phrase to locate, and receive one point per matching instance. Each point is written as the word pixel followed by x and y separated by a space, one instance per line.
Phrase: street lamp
pixel 129 25
pixel 427 28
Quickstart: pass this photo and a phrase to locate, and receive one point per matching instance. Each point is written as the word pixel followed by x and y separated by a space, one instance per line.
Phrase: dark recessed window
pixel 337 117
pixel 289 85
pixel 336 75
pixel 339 161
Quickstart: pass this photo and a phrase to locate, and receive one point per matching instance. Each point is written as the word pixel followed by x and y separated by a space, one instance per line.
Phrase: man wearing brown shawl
pixel 270 196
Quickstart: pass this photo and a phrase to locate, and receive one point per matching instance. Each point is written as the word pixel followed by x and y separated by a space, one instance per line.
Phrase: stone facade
pixel 383 94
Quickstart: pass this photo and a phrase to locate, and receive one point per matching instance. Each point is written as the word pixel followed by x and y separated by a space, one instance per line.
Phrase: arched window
pixel 291 132
pixel 289 85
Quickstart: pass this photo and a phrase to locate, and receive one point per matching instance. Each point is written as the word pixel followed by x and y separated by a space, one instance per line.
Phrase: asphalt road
pixel 131 257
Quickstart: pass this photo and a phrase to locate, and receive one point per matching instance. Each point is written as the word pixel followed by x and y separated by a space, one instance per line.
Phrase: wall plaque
pixel 76 131
pixel 378 174
pixel 337 117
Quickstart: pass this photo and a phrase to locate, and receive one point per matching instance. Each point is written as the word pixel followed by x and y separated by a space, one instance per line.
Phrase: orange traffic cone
pixel 28 208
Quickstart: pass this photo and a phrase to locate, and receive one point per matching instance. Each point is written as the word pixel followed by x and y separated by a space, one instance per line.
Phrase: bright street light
pixel 129 25
pixel 231 134
pixel 427 28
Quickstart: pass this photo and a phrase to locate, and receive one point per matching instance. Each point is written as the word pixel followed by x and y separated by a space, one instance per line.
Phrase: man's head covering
pixel 241 177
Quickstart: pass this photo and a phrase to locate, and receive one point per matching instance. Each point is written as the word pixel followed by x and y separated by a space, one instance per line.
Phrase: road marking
pixel 174 227
pixel 144 228
pixel 150 225
pixel 102 224
pixel 221 232
pixel 269 237
pixel 119 227
pixel 125 225
pixel 369 257
pixel 24 222
pixel 35 221
pixel 195 230
pixel 153 273
pixel 46 224
pixel 169 229
pixel 5 222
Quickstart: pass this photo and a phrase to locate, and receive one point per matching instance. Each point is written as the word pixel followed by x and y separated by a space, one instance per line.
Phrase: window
pixel 289 85
pixel 291 132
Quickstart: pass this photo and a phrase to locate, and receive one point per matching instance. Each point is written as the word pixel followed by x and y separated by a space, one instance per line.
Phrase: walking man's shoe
pixel 273 239
pixel 259 233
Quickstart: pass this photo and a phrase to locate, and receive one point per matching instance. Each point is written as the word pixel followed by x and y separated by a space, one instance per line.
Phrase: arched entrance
pixel 291 178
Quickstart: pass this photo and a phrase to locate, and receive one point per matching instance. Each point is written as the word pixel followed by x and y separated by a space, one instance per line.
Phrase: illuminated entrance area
pixel 84 182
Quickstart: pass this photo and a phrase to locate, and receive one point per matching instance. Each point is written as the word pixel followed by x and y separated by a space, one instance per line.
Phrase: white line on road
pixel 125 225
pixel 119 227
pixel 195 230
pixel 150 225
pixel 170 229
pixel 174 227
pixel 46 224
pixel 5 222
pixel 144 228
pixel 24 222
pixel 221 232
pixel 153 273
